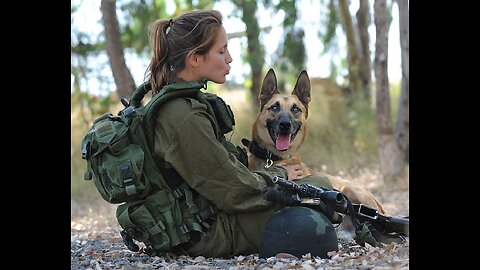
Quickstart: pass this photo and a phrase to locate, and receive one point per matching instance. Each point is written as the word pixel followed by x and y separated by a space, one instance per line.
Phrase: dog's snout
pixel 285 125
pixel 284 122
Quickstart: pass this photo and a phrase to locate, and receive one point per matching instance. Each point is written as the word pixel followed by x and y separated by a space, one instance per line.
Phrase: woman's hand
pixel 294 171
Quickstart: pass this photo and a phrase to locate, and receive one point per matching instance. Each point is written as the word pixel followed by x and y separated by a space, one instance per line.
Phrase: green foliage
pixel 289 7
pixel 141 13
pixel 328 34
pixel 255 55
pixel 84 49
pixel 292 51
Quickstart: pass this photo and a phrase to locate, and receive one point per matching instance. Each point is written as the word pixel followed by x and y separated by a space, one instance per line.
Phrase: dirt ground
pixel 96 242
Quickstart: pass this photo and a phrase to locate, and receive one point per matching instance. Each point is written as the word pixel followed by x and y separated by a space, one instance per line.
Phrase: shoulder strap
pixel 168 92
pixel 144 88
pixel 201 97
pixel 139 94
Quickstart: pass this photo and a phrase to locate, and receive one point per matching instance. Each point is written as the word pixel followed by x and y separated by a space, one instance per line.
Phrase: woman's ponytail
pixel 159 67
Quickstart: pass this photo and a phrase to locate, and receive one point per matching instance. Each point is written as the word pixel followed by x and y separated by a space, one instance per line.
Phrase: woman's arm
pixel 211 170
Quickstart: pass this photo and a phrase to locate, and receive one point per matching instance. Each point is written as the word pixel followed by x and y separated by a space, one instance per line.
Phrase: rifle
pixel 331 202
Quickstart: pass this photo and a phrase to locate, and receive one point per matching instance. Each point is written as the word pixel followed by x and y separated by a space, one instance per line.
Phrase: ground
pixel 96 242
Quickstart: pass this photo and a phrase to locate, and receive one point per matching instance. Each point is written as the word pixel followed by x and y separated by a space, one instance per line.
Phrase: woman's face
pixel 214 66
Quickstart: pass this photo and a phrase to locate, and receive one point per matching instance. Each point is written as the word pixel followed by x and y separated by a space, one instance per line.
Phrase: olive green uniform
pixel 186 138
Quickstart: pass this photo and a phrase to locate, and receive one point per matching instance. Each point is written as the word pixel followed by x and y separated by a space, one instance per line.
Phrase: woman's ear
pixel 193 59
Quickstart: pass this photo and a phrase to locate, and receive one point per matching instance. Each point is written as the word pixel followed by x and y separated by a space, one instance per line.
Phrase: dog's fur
pixel 281 128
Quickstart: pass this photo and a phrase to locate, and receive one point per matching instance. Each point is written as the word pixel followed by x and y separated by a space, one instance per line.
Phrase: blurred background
pixel 355 52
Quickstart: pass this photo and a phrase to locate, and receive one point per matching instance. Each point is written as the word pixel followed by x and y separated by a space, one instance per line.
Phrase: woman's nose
pixel 228 59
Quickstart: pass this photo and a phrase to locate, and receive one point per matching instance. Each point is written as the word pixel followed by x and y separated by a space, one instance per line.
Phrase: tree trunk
pixel 353 51
pixel 363 21
pixel 255 55
pixel 402 128
pixel 391 157
pixel 113 42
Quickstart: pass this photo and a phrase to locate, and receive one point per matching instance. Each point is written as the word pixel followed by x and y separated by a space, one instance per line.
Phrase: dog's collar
pixel 258 151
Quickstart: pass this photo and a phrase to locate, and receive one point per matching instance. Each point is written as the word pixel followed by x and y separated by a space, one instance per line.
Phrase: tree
pixel 402 127
pixel 358 44
pixel 353 45
pixel 391 157
pixel 292 52
pixel 114 46
pixel 142 13
pixel 363 22
pixel 328 35
pixel 255 55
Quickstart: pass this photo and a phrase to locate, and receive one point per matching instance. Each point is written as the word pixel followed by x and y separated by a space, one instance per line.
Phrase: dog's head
pixel 280 126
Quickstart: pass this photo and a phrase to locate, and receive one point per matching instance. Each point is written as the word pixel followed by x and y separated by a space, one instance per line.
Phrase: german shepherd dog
pixel 280 130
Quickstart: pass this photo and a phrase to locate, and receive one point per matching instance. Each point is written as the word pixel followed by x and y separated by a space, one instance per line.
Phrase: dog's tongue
pixel 283 141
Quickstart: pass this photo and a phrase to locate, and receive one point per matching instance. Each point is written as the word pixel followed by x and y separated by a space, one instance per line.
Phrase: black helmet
pixel 298 230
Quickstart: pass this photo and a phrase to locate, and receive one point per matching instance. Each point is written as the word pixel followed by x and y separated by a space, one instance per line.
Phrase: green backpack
pixel 157 207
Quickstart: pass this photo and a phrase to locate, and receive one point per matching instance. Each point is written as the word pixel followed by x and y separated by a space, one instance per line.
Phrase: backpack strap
pixel 149 112
pixel 168 92
pixel 139 94
pixel 201 97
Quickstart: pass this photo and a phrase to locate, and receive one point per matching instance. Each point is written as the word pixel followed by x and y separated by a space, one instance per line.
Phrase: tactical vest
pixel 157 207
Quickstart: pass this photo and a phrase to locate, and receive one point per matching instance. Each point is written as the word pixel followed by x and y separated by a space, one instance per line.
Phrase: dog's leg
pixel 355 193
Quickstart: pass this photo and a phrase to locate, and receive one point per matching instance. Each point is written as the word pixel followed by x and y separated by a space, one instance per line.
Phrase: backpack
pixel 156 206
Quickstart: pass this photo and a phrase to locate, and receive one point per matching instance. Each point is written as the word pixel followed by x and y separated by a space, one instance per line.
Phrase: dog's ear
pixel 302 88
pixel 269 88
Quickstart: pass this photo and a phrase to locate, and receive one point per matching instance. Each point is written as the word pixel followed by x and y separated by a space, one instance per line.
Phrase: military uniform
pixel 186 138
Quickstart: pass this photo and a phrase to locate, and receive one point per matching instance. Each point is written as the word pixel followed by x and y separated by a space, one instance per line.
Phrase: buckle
pixel 126 173
pixel 366 211
pixel 207 223
pixel 86 149
pixel 183 228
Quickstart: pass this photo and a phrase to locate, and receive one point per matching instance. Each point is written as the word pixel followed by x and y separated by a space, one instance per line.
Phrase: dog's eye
pixel 274 108
pixel 296 109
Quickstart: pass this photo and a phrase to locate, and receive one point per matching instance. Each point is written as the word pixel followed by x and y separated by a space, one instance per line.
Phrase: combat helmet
pixel 298 230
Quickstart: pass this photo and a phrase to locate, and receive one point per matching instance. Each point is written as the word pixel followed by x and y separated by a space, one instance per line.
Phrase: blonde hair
pixel 172 40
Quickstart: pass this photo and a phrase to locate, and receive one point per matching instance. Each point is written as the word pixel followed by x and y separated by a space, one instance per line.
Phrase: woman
pixel 193 47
